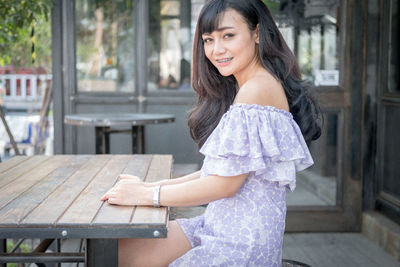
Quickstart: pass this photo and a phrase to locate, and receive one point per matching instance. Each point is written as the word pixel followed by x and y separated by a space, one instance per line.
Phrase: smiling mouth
pixel 225 60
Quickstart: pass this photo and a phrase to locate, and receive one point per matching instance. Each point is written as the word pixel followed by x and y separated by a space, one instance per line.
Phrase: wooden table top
pixel 117 119
pixel 59 197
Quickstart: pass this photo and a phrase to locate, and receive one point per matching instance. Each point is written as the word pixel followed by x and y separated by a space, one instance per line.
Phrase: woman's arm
pixel 201 191
pixel 190 193
pixel 183 179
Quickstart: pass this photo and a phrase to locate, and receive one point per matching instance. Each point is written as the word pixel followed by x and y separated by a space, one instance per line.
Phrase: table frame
pixel 100 235
pixel 102 134
pixel 103 123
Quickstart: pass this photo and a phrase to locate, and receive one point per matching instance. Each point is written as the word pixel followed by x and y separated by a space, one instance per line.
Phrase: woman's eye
pixel 228 35
pixel 207 40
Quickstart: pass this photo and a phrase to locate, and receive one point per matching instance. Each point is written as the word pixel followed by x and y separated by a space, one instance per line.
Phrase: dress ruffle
pixel 254 138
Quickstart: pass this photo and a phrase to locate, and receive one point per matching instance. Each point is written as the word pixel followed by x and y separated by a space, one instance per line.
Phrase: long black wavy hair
pixel 216 92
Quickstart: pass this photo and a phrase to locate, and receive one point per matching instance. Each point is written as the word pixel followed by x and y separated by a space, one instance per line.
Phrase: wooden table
pixel 103 121
pixel 59 197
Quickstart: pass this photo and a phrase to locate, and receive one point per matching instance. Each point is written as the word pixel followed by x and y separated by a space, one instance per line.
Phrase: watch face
pixel 156 196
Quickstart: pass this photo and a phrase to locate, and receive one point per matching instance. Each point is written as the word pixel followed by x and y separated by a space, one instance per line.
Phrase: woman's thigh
pixel 153 252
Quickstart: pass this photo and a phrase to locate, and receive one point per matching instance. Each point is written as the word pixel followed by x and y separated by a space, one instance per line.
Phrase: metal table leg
pixel 138 139
pixel 3 249
pixel 58 249
pixel 102 136
pixel 101 252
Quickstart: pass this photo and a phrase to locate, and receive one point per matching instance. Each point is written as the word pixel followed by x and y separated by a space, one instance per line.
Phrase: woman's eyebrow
pixel 224 28
pixel 219 30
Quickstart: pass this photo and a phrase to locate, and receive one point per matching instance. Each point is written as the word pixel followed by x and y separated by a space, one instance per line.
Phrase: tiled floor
pixel 335 249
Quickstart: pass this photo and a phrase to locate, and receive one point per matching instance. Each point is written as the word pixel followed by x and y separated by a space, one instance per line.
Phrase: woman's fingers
pixel 126 176
pixel 108 194
pixel 111 200
pixel 124 192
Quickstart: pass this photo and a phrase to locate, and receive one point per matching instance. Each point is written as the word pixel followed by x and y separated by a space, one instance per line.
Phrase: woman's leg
pixel 153 252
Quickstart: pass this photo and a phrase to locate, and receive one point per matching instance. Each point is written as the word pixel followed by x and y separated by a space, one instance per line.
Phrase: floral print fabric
pixel 247 229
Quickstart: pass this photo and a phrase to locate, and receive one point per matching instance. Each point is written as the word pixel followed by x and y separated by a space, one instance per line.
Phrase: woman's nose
pixel 219 47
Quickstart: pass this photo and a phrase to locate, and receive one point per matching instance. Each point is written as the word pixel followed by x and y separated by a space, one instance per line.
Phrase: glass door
pixel 314 30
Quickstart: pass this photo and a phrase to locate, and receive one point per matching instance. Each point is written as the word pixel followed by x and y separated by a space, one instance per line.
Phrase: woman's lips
pixel 224 62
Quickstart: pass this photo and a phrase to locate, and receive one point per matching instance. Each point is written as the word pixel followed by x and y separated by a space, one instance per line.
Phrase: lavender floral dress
pixel 247 229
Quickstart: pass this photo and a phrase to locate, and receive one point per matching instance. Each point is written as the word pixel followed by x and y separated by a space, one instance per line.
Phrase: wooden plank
pixel 138 165
pixel 87 204
pixel 160 168
pixel 28 179
pixel 11 163
pixel 113 214
pixel 16 210
pixel 150 215
pixel 60 199
pixel 14 173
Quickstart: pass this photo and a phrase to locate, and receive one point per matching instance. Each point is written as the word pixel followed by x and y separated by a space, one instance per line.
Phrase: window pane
pixel 105 45
pixel 394 56
pixel 311 30
pixel 172 25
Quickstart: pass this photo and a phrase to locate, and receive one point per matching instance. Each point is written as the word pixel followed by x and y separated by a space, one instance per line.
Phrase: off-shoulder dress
pixel 247 229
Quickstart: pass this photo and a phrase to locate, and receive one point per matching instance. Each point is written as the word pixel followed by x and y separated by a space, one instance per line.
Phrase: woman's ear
pixel 257 31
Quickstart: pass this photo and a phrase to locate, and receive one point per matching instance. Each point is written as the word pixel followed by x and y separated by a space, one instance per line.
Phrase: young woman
pixel 252 122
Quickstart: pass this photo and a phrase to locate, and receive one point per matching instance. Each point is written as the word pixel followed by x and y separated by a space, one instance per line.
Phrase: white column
pixel 23 86
pixel 13 86
pixel 33 83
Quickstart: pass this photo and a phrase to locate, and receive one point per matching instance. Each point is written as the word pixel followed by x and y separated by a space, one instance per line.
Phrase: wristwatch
pixel 156 196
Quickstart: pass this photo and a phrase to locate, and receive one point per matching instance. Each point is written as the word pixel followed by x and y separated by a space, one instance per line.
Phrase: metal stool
pixel 292 263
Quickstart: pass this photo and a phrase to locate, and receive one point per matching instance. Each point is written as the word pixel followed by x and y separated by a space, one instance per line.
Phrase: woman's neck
pixel 249 72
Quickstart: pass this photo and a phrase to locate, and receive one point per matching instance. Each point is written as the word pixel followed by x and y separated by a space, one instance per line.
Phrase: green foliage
pixel 25 248
pixel 272 5
pixel 22 26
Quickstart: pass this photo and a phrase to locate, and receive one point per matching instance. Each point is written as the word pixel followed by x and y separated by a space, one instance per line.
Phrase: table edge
pixel 63 232
pixel 68 119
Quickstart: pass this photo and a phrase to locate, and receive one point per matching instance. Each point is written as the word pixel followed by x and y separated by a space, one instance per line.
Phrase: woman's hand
pixel 129 190
pixel 131 177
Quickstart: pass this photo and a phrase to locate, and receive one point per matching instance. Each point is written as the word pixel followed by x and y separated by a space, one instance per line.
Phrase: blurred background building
pixel 135 56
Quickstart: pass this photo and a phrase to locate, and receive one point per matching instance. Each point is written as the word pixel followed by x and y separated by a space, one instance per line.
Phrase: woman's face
pixel 231 47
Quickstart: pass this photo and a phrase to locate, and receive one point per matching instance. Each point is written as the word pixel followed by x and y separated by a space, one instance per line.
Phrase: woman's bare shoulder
pixel 263 90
